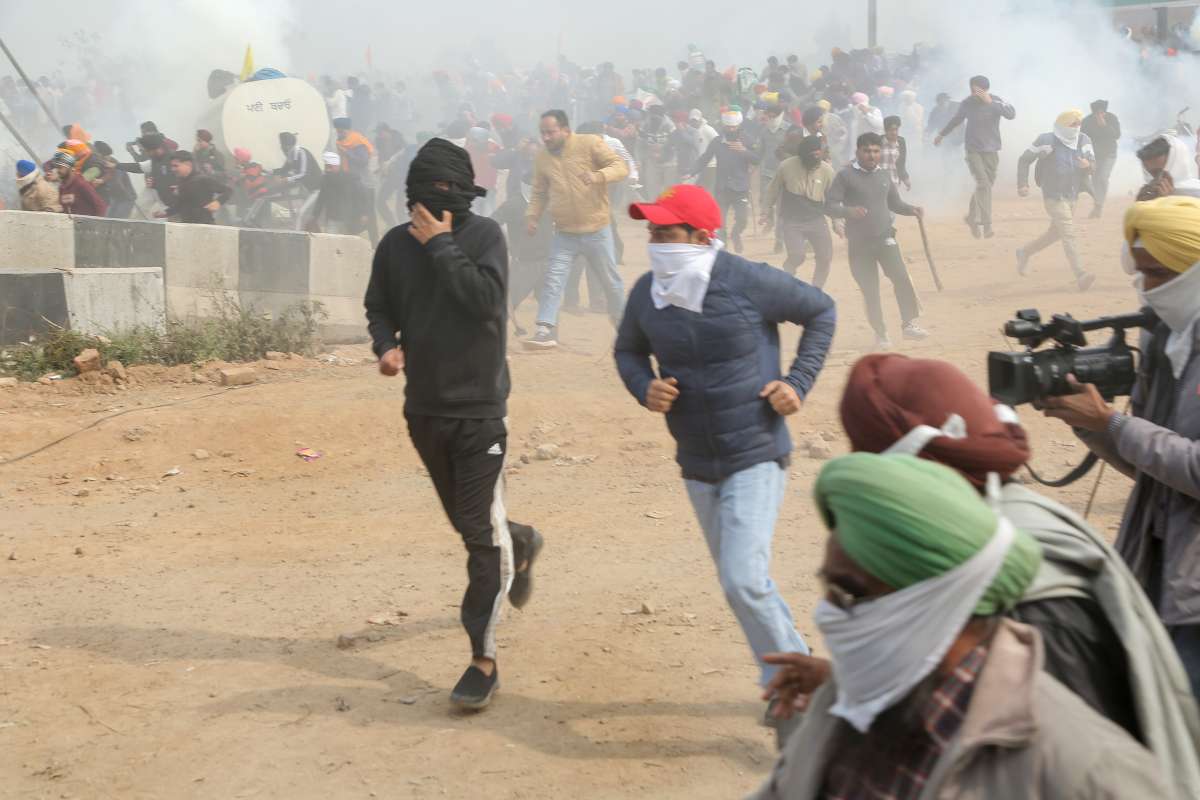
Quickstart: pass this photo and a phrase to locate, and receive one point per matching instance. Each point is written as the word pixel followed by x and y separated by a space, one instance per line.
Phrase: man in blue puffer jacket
pixel 710 320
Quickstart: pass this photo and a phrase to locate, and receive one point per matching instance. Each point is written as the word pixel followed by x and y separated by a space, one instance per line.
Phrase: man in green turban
pixel 928 677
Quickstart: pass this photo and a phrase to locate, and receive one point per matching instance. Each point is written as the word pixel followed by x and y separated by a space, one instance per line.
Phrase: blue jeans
pixel 597 248
pixel 738 518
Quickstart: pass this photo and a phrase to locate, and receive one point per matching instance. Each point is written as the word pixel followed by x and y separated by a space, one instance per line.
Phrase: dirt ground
pixel 177 636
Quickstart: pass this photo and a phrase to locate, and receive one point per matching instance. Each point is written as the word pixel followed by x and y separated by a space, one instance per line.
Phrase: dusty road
pixel 177 637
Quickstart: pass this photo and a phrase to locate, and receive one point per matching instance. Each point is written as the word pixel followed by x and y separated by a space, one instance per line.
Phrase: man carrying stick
pixel 866 197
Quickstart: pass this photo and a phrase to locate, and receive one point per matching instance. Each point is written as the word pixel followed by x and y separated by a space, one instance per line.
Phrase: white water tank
pixel 253 114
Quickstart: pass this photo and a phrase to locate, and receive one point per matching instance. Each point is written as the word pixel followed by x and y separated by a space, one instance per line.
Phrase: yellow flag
pixel 248 64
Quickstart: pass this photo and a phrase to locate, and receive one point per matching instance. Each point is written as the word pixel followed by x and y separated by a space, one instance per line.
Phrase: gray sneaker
pixel 1085 280
pixel 543 339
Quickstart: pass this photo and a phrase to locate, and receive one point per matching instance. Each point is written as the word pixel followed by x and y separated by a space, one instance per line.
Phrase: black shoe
pixel 522 582
pixel 544 339
pixel 474 690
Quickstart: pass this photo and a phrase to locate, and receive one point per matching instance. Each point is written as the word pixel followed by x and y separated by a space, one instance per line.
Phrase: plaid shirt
pixel 905 779
pixel 890 158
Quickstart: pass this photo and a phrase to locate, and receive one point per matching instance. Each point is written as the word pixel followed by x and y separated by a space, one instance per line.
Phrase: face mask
pixel 882 648
pixel 1068 136
pixel 1177 304
pixel 681 273
pixel 438 202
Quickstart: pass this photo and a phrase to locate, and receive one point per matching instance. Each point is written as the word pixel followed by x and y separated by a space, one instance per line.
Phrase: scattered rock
pixel 646 609
pixel 200 377
pixel 201 455
pixel 340 704
pixel 116 370
pixel 828 436
pixel 49 378
pixel 78 551
pixel 525 459
pixel 639 445
pixel 657 514
pixel 408 701
pixel 546 452
pixel 172 472
pixel 346 641
pixel 574 461
pixel 134 434
pixel 6 383
pixel 820 451
pixel 87 361
pixel 12 556
pixel 236 376
pixel 275 355
pixel 81 492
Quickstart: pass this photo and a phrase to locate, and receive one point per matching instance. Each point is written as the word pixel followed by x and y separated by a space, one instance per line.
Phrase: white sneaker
pixel 914 332
pixel 883 343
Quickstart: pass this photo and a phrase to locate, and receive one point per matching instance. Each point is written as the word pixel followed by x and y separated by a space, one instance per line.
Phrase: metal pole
pixel 20 140
pixel 1162 24
pixel 872 24
pixel 32 88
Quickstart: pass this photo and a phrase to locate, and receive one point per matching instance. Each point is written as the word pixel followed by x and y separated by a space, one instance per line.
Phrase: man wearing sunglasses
pixel 933 693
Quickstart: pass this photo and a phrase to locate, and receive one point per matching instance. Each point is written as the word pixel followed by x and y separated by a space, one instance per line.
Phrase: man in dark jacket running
pixel 197 196
pixel 436 308
pixel 710 320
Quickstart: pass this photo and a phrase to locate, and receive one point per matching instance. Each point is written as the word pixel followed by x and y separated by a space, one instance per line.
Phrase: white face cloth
pixel 1179 162
pixel 1068 136
pixel 1177 303
pixel 916 440
pixel 681 273
pixel 884 647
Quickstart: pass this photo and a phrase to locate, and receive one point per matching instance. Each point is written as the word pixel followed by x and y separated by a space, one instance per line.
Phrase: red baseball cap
pixel 682 204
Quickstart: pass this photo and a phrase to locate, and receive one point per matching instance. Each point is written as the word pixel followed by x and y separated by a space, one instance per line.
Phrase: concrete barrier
pixel 32 240
pixel 101 299
pixel 202 264
pixel 96 300
pixel 109 272
pixel 339 270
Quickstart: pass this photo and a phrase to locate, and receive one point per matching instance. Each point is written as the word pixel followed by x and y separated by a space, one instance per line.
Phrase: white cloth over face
pixel 681 273
pixel 1177 303
pixel 1181 166
pixel 884 647
pixel 1068 135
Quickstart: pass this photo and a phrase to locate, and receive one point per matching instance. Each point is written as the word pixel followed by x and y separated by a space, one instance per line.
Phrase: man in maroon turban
pixel 1102 636
pixel 889 395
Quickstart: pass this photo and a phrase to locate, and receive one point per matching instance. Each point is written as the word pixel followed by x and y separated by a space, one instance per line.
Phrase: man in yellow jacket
pixel 571 177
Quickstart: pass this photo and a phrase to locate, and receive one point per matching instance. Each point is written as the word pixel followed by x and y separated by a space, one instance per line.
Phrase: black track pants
pixel 465 459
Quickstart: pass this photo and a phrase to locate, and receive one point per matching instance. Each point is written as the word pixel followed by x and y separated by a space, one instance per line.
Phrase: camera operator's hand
pixel 1084 409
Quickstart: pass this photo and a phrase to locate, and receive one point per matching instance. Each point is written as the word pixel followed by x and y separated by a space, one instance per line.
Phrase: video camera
pixel 1017 378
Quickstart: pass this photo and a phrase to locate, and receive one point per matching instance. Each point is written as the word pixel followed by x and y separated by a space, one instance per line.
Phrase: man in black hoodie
pixel 436 308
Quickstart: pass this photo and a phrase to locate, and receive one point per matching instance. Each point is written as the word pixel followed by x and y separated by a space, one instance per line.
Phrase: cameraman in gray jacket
pixel 1158 445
